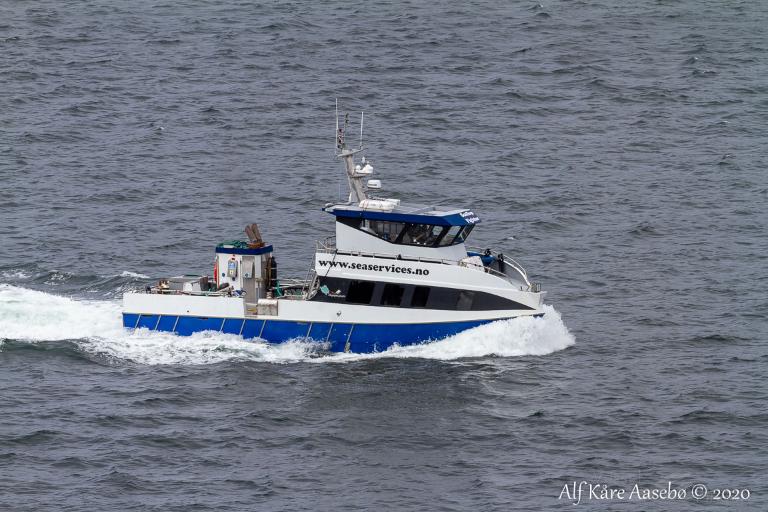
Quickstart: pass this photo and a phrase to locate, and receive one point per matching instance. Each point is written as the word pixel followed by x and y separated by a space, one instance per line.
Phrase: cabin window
pixel 385 230
pixel 392 295
pixel 449 237
pixel 426 235
pixel 442 298
pixel 360 292
pixel 434 234
pixel 464 233
pixel 349 221
pixel 420 297
pixel 349 291
pixel 465 300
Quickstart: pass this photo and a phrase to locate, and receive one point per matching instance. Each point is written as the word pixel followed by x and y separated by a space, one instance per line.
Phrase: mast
pixel 354 178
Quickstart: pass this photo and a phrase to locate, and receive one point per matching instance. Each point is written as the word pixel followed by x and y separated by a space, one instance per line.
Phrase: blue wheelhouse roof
pixel 413 214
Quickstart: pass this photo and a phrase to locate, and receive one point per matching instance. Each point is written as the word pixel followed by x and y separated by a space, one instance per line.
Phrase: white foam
pixel 96 326
pixel 31 315
pixel 158 348
pixel 506 338
pixel 128 273
pixel 14 274
pixel 56 277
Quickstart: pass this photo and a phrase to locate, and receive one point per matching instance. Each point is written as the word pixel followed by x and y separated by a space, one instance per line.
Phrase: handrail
pixel 518 266
pixel 227 292
pixel 508 261
pixel 327 243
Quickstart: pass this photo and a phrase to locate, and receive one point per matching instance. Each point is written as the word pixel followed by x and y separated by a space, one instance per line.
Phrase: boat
pixel 393 274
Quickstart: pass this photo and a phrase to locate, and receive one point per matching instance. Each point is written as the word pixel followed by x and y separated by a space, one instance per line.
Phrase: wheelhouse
pixel 421 227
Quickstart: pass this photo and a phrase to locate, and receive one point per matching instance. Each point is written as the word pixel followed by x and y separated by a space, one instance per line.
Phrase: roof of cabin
pixel 417 214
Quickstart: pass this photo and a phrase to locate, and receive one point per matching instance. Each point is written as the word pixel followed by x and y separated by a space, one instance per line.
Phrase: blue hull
pixel 358 338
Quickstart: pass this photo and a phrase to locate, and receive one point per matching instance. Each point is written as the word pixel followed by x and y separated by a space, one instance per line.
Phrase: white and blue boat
pixel 393 274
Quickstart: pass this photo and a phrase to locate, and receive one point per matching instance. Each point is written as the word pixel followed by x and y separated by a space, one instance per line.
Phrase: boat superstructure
pixel 393 274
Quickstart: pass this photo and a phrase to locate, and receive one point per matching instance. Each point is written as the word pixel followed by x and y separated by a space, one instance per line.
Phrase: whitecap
pixel 128 273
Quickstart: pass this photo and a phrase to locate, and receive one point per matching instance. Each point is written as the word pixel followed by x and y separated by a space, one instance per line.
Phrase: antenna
pixel 339 136
pixel 361 129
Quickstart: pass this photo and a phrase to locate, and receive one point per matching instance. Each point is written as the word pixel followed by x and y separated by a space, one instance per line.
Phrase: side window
pixel 450 236
pixel 465 300
pixel 380 228
pixel 464 233
pixel 433 235
pixel 415 234
pixel 392 295
pixel 393 230
pixel 385 230
pixel 351 222
pixel 338 290
pixel 421 234
pixel 442 298
pixel 360 292
pixel 420 297
pixel 367 226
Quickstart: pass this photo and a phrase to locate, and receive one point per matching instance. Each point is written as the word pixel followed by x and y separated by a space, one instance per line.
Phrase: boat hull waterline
pixel 338 336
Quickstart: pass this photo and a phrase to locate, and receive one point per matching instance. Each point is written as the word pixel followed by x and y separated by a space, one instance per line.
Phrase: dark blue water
pixel 616 149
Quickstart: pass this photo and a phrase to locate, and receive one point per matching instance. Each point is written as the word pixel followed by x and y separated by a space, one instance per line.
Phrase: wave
pixel 105 285
pixel 95 327
pixel 14 275
pixel 128 273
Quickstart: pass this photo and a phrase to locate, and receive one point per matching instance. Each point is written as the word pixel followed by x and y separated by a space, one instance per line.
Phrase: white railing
pixel 326 244
pixel 510 261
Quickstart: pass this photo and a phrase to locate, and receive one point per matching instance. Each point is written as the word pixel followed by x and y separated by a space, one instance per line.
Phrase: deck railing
pixel 507 260
pixel 326 244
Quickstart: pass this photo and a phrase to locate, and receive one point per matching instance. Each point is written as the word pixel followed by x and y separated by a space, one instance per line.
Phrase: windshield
pixel 406 233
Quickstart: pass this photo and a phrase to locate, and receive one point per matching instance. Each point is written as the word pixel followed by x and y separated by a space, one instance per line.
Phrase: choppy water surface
pixel 616 150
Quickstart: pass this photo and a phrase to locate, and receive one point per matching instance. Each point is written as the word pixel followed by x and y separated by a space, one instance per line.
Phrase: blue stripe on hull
pixel 252 328
pixel 377 337
pixel 130 320
pixel 339 335
pixel 361 337
pixel 167 323
pixel 148 321
pixel 233 326
pixel 320 331
pixel 281 330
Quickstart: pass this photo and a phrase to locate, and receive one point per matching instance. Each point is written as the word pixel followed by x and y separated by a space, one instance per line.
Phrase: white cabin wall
pixel 237 283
